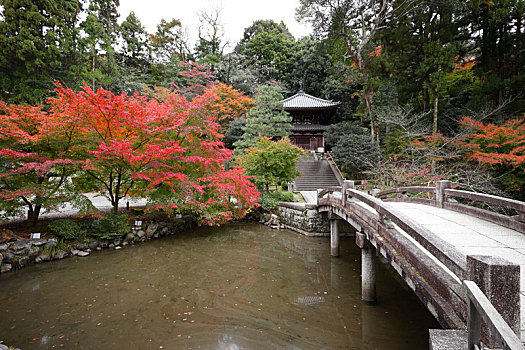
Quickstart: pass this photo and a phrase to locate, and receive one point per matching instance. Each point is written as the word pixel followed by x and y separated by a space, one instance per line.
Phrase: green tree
pixel 135 44
pixel 267 119
pixel 309 68
pixel 133 56
pixel 438 62
pixel 266 50
pixel 498 28
pixel 352 147
pixel 356 23
pixel 100 28
pixel 261 26
pixel 271 162
pixel 38 43
pixel 233 70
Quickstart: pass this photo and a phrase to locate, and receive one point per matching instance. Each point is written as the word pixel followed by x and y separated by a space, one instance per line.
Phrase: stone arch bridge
pixel 464 260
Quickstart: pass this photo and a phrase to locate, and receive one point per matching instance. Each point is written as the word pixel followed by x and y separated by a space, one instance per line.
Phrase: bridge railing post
pixel 318 191
pixel 441 186
pixel 347 184
pixel 499 280
pixel 521 216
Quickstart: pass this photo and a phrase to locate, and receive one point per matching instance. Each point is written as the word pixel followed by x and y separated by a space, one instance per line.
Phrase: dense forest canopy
pixel 407 73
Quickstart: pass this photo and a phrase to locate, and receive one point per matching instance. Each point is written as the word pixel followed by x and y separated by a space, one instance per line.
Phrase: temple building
pixel 311 116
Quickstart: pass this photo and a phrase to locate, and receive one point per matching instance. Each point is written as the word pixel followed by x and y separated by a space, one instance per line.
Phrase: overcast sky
pixel 236 14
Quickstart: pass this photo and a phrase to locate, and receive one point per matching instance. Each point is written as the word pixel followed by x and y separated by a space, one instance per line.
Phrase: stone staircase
pixel 316 174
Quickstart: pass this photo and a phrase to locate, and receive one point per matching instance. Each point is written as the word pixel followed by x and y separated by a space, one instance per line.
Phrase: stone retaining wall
pixel 306 219
pixel 303 218
pixel 18 254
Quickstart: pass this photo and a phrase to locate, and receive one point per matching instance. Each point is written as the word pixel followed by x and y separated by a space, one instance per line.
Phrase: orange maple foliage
pixel 129 144
pixel 497 145
pixel 229 104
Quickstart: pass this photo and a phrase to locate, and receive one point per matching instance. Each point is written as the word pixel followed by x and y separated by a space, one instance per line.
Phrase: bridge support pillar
pixel 368 268
pixel 334 237
pixel 499 280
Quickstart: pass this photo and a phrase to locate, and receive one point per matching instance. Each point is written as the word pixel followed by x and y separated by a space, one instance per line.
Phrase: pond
pixel 240 286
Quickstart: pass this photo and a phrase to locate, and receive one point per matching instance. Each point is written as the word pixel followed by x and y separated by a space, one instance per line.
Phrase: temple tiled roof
pixel 302 100
pixel 308 127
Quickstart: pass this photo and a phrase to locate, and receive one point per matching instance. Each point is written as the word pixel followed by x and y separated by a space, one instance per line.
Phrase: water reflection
pixel 226 342
pixel 239 286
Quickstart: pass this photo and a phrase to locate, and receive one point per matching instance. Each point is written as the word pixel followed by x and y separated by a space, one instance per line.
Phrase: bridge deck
pixel 472 236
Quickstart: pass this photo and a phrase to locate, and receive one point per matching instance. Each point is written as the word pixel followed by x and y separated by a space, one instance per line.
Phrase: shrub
pixel 53 250
pixel 111 226
pixel 271 162
pixel 270 199
pixel 352 147
pixel 66 228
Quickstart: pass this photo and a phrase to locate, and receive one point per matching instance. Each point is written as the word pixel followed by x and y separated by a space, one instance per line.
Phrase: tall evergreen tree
pixel 133 56
pixel 135 44
pixel 498 28
pixel 37 45
pixel 268 118
pixel 266 48
pixel 100 28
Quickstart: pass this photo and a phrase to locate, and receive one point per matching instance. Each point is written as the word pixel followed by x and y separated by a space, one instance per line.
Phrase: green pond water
pixel 240 286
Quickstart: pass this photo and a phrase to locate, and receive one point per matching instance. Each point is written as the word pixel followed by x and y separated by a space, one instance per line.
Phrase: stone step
pixel 315 174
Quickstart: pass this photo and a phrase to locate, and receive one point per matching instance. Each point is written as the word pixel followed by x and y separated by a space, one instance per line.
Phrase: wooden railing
pixel 335 168
pixel 516 222
pixel 381 217
pixel 479 307
pixel 443 278
pixel 445 197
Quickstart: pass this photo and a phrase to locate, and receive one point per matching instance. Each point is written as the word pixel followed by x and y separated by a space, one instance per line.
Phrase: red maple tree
pixel 35 161
pixel 120 145
pixel 169 151
pixel 501 148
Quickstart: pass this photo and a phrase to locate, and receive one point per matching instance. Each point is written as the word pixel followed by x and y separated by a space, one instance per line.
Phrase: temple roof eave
pixel 308 128
pixel 303 101
pixel 311 108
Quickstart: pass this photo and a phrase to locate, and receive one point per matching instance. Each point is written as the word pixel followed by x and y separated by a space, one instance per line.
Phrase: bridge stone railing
pixel 446 298
pixel 479 307
pixel 439 284
pixel 443 196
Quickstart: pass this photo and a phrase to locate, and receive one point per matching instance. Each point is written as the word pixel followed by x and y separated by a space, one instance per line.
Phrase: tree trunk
pixel 33 213
pixel 369 94
pixel 435 120
pixel 93 69
pixel 114 204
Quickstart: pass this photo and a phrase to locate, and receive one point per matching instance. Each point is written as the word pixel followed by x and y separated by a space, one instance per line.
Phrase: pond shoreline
pixel 20 253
